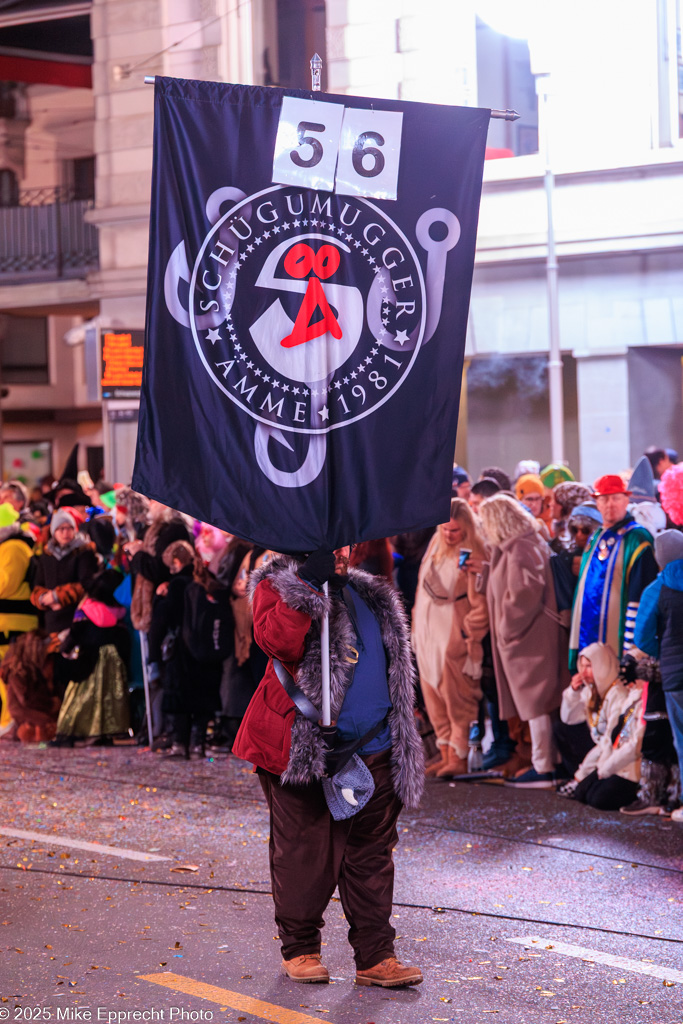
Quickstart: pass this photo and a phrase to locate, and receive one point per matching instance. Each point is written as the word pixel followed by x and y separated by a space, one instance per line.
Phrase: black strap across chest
pixel 295 693
pixel 338 753
pixel 350 603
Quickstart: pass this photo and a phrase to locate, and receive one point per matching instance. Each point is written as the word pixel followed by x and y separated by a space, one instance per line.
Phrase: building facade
pixel 75 161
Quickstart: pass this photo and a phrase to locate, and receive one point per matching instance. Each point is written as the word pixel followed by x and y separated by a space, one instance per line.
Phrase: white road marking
pixel 620 963
pixel 78 844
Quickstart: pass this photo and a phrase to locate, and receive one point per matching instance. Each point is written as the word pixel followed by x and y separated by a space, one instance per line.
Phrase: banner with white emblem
pixel 309 279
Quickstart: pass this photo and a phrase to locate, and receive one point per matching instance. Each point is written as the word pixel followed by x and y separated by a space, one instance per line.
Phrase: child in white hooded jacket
pixel 608 775
pixel 585 708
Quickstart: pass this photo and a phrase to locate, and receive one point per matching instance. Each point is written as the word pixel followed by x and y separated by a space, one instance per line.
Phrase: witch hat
pixel 103 586
pixel 642 482
pixel 70 471
pixel 68 474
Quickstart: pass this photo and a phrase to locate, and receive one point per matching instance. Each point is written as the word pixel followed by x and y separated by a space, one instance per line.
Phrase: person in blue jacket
pixel 659 631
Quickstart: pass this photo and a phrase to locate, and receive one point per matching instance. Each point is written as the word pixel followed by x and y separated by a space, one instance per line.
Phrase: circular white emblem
pixel 324 308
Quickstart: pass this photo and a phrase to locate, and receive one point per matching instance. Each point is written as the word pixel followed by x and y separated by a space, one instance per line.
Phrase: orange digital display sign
pixel 122 353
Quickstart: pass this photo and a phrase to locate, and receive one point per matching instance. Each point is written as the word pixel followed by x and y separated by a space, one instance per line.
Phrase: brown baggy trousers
pixel 311 853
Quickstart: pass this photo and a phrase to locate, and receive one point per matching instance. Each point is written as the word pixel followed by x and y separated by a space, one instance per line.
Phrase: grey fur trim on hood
pixel 7 532
pixel 307 755
pixel 136 504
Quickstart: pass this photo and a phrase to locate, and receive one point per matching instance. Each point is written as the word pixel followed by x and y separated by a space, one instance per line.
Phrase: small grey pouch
pixel 349 790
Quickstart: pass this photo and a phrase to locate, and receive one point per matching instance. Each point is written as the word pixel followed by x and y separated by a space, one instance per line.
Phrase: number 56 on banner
pixel 338 149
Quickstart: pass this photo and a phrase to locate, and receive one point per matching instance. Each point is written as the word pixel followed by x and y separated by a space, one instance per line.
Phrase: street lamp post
pixel 555 368
pixel 538 22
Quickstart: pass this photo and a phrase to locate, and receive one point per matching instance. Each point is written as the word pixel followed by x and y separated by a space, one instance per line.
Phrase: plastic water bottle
pixel 474 754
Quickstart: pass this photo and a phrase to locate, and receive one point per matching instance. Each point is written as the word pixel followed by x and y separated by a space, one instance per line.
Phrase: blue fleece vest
pixel 367 700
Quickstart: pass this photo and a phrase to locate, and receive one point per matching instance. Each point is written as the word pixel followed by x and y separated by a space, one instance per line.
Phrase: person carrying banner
pixel 372 695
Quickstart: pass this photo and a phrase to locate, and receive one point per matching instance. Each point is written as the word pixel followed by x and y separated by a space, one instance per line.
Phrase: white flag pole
pixel 325 663
pixel 316 71
pixel 144 650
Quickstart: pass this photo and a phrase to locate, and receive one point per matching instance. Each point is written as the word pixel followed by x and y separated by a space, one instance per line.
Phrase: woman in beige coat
pixel 529 643
pixel 450 621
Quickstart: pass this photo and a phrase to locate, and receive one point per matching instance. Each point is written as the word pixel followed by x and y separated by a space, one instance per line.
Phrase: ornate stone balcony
pixel 45 237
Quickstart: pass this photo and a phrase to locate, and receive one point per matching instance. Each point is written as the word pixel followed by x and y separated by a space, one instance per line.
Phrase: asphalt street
pixel 134 888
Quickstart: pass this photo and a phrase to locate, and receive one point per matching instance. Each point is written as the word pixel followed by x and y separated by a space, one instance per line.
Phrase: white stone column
pixel 202 39
pixel 134 38
pixel 604 443
pixel 416 50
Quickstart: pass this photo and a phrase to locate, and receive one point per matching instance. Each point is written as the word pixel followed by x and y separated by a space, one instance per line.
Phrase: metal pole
pixel 325 663
pixel 316 71
pixel 555 367
pixel 505 115
pixel 144 652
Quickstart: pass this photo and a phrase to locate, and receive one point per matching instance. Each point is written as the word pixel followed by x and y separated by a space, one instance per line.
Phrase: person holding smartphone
pixel 528 640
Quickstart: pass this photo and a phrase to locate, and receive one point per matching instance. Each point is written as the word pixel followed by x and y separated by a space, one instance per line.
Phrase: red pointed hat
pixel 610 484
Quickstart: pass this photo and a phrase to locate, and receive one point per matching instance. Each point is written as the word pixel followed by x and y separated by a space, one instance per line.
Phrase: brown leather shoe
pixel 434 766
pixel 514 765
pixel 390 973
pixel 454 766
pixel 306 968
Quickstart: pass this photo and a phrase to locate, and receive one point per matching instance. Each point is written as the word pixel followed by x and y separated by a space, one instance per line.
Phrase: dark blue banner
pixel 305 333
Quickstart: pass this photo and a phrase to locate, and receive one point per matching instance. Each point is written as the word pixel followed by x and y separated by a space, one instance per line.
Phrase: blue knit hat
pixel 589 512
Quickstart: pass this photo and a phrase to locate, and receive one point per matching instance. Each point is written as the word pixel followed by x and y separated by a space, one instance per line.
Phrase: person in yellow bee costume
pixel 17 614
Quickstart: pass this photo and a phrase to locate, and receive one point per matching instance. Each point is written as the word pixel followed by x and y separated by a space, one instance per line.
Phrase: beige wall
pixel 176 38
pixel 67 374
pixel 61 128
pixel 64 393
pixel 62 436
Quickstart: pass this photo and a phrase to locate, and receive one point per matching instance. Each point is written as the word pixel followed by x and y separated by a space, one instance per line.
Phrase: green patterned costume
pixel 98 706
pixel 617 565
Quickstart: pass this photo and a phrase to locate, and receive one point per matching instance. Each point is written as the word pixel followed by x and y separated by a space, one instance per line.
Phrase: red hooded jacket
pixel 265 735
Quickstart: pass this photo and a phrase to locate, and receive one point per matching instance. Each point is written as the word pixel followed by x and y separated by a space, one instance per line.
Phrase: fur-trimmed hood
pixel 307 758
pixel 15 532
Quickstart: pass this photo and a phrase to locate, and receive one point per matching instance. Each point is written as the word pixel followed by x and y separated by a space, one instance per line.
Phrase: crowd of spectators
pixel 547 627
pixel 553 610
